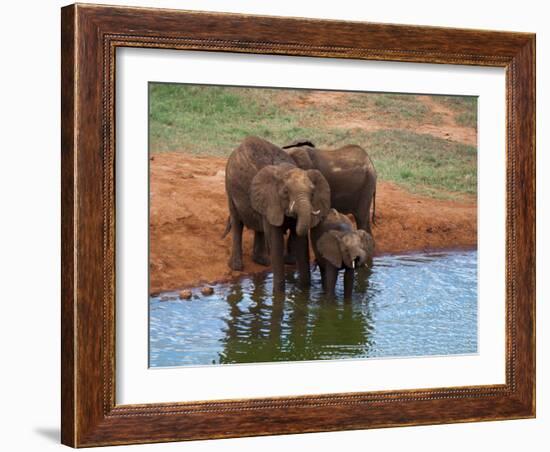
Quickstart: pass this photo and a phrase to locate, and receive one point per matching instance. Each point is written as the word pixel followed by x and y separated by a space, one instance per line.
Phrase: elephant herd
pixel 307 192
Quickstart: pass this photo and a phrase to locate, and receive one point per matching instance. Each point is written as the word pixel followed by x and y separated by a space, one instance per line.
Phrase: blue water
pixel 410 305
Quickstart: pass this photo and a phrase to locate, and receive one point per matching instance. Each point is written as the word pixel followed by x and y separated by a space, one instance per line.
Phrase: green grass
pixel 465 108
pixel 423 163
pixel 386 107
pixel 213 121
pixel 394 107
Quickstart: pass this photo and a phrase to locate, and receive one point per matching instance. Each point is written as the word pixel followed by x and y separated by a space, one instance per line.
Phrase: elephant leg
pixel 259 254
pixel 348 283
pixel 290 256
pixel 322 271
pixel 362 213
pixel 236 259
pixel 361 216
pixel 277 244
pixel 301 249
pixel 331 275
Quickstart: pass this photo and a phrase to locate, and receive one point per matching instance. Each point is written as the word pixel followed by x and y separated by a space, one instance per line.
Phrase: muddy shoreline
pixel 195 287
pixel 188 213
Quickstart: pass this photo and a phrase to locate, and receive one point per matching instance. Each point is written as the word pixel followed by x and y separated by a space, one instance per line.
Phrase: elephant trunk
pixel 303 215
pixel 359 258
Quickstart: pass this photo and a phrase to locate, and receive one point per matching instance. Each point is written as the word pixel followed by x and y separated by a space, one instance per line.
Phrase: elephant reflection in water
pixel 252 335
pixel 341 331
pixel 300 326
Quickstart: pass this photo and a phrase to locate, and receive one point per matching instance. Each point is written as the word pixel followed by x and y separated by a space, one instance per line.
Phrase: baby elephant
pixel 338 245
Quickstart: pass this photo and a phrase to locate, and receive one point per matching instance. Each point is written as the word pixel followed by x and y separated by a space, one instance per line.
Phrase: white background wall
pixel 29 230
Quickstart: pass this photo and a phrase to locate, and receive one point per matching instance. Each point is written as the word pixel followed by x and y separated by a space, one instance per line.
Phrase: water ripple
pixel 410 305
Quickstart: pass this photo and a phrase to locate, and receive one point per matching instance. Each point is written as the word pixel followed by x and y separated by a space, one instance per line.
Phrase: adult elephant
pixel 269 194
pixel 350 174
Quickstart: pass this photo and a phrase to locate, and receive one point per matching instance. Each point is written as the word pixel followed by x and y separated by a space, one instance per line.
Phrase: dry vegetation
pixel 426 144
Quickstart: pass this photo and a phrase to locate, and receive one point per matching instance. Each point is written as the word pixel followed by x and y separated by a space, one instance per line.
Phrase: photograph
pixel 301 225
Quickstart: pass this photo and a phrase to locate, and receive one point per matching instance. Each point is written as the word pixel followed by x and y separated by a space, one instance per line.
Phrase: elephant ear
pixel 321 195
pixel 329 247
pixel 302 158
pixel 367 242
pixel 299 143
pixel 264 194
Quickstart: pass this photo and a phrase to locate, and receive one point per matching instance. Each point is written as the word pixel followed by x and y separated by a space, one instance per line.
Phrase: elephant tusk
pixel 353 264
pixel 316 212
pixel 291 206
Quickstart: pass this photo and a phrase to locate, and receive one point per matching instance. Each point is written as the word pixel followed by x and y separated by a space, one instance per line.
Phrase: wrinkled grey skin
pixel 269 194
pixel 337 245
pixel 350 174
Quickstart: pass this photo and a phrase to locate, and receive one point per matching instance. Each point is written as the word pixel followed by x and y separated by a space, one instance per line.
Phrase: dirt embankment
pixel 188 213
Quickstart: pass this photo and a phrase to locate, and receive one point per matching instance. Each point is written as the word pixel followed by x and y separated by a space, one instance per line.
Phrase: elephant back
pixel 351 158
pixel 334 221
pixel 254 153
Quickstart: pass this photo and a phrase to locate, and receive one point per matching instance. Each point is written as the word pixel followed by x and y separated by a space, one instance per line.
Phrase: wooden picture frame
pixel 90 35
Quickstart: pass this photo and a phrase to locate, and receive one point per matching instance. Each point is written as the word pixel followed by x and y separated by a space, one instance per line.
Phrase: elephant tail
pixel 374 207
pixel 227 227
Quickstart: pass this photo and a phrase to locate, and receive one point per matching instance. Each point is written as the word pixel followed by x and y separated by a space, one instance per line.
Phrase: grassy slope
pixel 213 120
pixel 464 107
